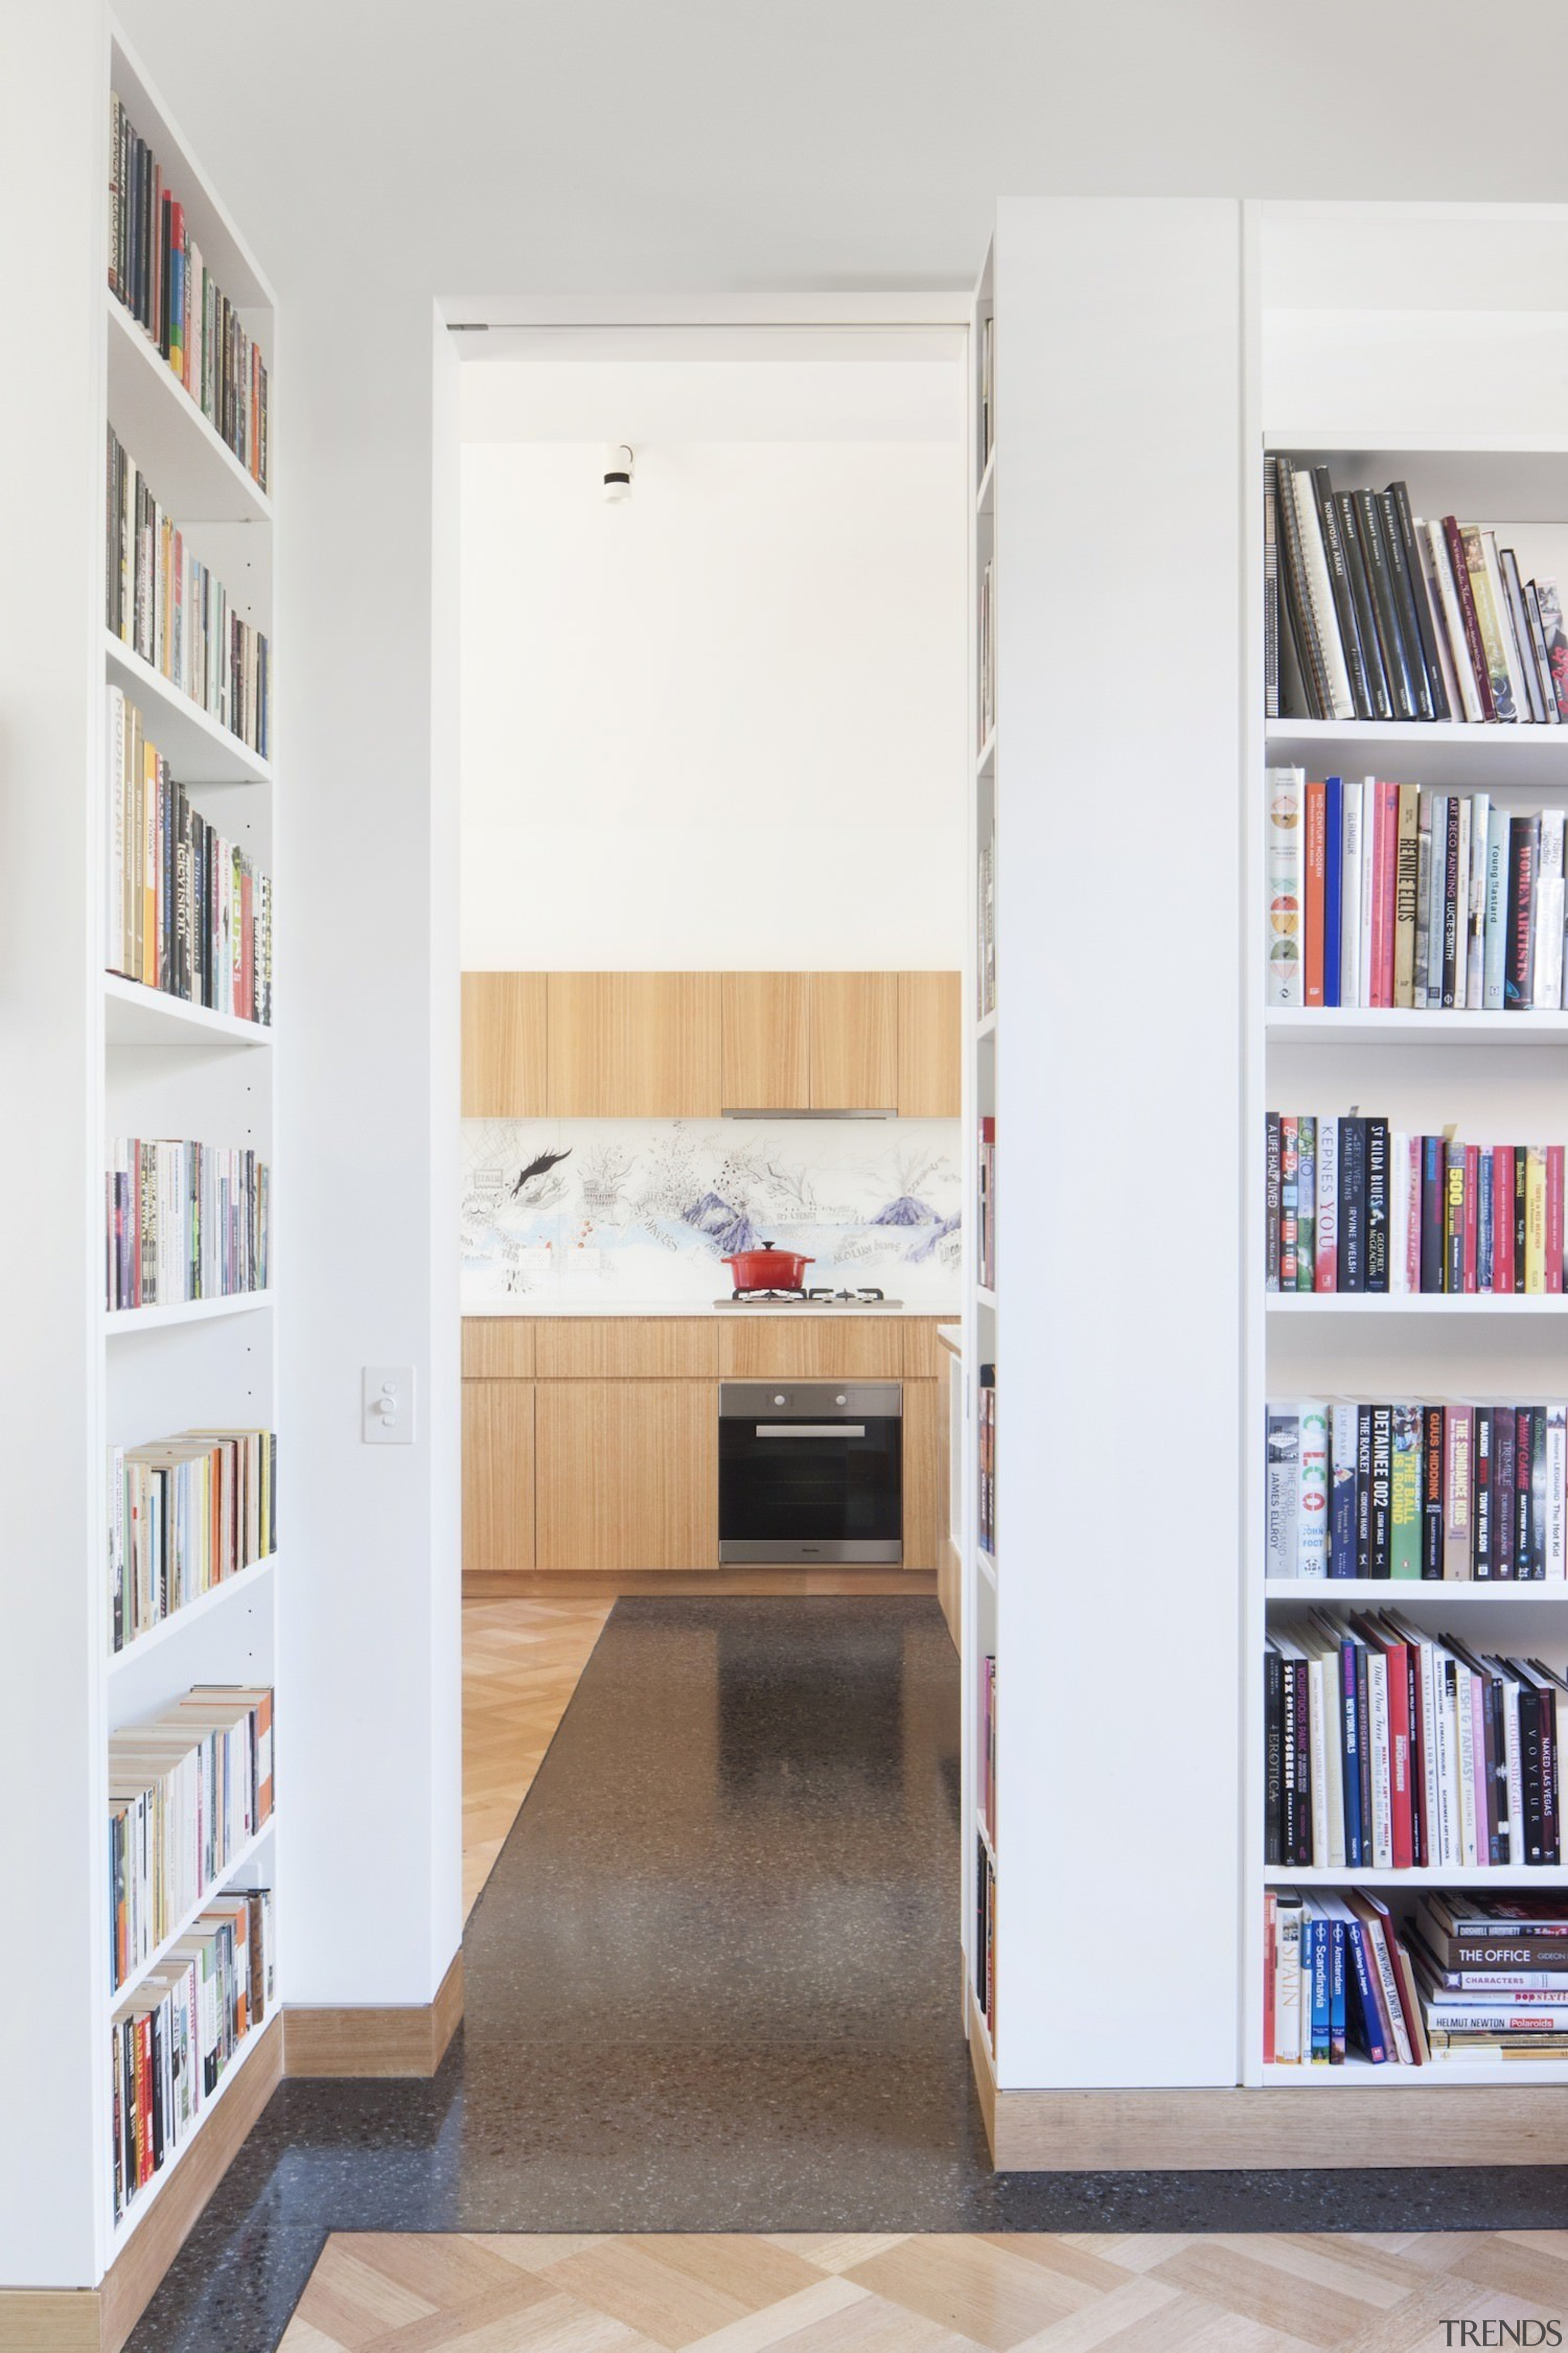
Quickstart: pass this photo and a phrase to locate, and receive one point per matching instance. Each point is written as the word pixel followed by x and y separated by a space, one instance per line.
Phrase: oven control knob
pixel 782 1400
pixel 840 1400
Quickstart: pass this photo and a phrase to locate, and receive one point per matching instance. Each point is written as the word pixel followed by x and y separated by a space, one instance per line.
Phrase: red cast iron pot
pixel 768 1268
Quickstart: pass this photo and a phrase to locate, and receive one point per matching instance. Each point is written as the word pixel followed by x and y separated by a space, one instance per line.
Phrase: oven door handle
pixel 810 1430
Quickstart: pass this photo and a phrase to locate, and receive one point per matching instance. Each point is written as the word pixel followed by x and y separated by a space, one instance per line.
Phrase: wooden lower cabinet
pixel 922 1473
pixel 628 1475
pixel 497 1476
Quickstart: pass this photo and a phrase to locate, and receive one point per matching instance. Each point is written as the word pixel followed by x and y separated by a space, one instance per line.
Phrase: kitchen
pixel 712 1168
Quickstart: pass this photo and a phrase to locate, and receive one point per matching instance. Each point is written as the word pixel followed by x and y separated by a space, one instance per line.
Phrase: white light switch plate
pixel 386 1404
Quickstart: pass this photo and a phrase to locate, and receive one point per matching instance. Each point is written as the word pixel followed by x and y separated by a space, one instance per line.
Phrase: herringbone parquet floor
pixel 1389 2293
pixel 521 1660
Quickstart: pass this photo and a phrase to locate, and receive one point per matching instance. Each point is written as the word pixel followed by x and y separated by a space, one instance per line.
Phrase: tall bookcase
pixel 1145 354
pixel 1417 342
pixel 110 1057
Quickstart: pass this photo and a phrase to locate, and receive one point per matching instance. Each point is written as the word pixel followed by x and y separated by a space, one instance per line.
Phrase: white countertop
pixel 617 1308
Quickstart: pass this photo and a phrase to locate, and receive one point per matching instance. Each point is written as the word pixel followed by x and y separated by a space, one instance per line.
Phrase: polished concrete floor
pixel 712 1987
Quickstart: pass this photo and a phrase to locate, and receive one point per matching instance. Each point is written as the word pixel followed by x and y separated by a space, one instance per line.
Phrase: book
pixel 1285 793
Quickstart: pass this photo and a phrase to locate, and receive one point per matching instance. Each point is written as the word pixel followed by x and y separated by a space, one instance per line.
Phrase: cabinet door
pixel 634 1045
pixel 628 1475
pixel 855 1040
pixel 785 1346
pixel 929 1053
pixel 497 1475
pixel 922 1475
pixel 503 1045
pixel 766 1041
pixel 628 1348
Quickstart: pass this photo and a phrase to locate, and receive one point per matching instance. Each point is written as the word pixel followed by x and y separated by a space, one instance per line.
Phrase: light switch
pixel 386 1401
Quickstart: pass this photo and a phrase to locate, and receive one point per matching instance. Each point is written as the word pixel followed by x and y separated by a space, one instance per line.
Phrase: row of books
pixel 187 910
pixel 987 657
pixel 186 1221
pixel 187 1793
pixel 985 1223
pixel 173 610
pixel 984 1956
pixel 1465 1976
pixel 986 1449
pixel 1350 1204
pixel 184 1515
pixel 985 1794
pixel 157 272
pixel 177 2038
pixel 1391 897
pixel 1441 1490
pixel 1391 1749
pixel 1337 1983
pixel 986 960
pixel 1370 613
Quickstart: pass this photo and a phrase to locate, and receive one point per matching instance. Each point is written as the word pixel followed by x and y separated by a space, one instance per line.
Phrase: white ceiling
pixel 495 145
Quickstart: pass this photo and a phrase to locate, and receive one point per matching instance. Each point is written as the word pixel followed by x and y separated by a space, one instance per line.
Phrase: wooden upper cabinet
pixel 634 1045
pixel 855 1040
pixel 766 1041
pixel 503 1051
pixel 929 1052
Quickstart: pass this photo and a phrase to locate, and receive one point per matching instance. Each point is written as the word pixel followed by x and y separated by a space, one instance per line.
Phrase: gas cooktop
pixel 863 1297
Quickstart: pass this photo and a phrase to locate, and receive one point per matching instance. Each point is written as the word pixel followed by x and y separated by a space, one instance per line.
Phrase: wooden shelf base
pixel 1229 2126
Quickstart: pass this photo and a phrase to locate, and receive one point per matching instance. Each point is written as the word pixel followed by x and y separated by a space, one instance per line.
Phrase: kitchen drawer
pixel 497 1348
pixel 626 1347
pixel 784 1347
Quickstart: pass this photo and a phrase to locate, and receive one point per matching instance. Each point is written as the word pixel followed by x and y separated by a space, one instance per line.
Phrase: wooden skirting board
pixel 594 1584
pixel 99 2320
pixel 1226 2129
pixel 402 2041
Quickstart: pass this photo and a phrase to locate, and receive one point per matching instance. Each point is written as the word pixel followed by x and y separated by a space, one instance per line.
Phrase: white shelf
pixel 1502 1874
pixel 986 492
pixel 985 1834
pixel 986 1562
pixel 137 1016
pixel 244 1580
pixel 986 1026
pixel 147 2198
pixel 1512 1590
pixel 1361 2075
pixel 198 749
pixel 1436 752
pixel 985 758
pixel 124 1994
pixel 195 474
pixel 986 1296
pixel 118 1320
pixel 1354 1026
pixel 1412 1303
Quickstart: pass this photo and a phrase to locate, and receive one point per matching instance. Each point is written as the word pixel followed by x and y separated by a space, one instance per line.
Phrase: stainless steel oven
pixel 811 1470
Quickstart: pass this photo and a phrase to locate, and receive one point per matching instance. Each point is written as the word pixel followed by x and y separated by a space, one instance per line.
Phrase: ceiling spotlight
pixel 618 467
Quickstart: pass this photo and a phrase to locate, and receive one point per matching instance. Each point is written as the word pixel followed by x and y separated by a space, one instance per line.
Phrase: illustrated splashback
pixel 609 1212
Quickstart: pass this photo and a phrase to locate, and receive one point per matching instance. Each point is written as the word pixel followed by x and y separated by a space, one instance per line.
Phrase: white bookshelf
pixel 117 1058
pixel 1340 371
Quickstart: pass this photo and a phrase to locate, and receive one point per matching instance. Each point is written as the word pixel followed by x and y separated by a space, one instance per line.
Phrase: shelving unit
pixel 1467 446
pixel 117 1058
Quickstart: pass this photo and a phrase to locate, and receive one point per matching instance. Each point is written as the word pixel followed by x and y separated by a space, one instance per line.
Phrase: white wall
pixel 719 726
